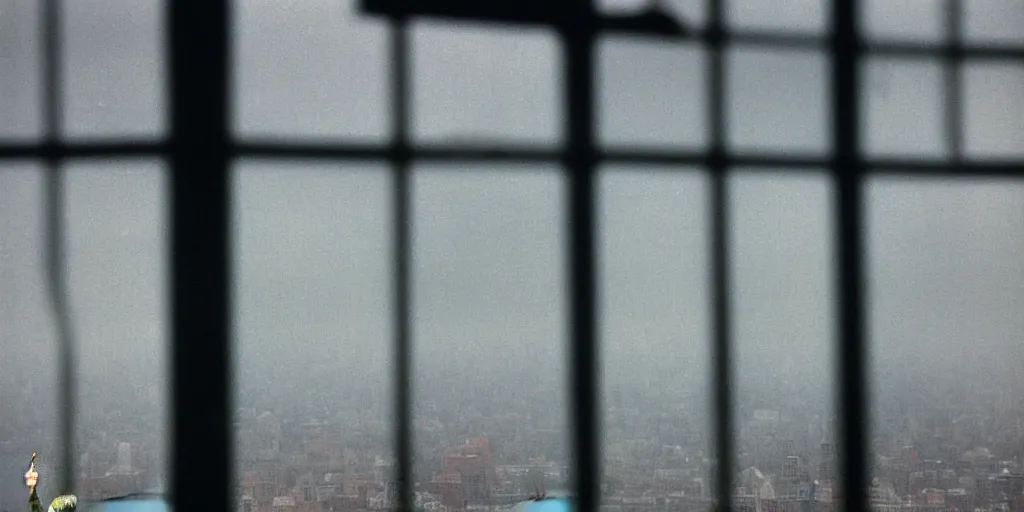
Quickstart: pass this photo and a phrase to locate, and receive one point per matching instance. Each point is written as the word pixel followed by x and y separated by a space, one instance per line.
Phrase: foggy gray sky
pixel 312 240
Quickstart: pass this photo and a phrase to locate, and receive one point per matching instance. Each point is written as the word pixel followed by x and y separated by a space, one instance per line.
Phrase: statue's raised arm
pixel 64 503
pixel 31 480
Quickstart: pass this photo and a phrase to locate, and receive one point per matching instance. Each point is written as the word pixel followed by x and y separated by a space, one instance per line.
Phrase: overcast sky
pixel 312 255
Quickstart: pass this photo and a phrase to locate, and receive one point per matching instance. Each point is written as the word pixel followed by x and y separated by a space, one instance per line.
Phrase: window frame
pixel 201 148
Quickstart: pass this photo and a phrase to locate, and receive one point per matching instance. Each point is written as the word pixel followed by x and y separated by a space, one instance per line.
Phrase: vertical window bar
pixel 55 246
pixel 578 44
pixel 400 160
pixel 953 67
pixel 847 172
pixel 721 350
pixel 52 64
pixel 200 254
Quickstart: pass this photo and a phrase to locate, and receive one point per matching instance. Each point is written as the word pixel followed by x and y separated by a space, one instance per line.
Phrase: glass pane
pixel 994 104
pixel 651 94
pixel 777 101
pixel 28 369
pixel 485 85
pixel 313 335
pixel 947 290
pixel 904 102
pixel 994 22
pixel 117 277
pixel 315 68
pixel 789 15
pixel 20 70
pixel 904 20
pixel 114 68
pixel 489 334
pixel 785 341
pixel 655 338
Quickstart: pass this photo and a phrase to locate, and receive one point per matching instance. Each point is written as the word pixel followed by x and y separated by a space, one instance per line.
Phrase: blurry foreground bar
pixel 199 56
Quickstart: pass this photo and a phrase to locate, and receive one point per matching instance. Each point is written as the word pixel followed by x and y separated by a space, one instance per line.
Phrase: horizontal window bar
pixel 972 169
pixel 952 52
pixel 496 153
pixel 763 38
pixel 909 166
pixel 890 48
pixel 22 150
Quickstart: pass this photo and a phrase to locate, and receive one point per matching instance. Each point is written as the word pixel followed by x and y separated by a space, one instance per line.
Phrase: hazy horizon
pixel 311 240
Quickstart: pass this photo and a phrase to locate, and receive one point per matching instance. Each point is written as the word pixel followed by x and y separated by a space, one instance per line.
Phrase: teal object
pixel 548 505
pixel 134 505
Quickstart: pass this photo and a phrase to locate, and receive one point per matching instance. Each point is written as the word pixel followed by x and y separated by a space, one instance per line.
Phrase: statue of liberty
pixel 63 503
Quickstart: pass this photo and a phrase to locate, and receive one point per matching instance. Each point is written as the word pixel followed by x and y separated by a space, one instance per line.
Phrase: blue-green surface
pixel 129 506
pixel 549 505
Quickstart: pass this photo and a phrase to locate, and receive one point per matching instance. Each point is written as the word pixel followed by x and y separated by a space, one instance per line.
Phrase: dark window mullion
pixel 52 65
pixel 953 68
pixel 53 61
pixel 200 255
pixel 402 253
pixel 847 170
pixel 721 350
pixel 580 162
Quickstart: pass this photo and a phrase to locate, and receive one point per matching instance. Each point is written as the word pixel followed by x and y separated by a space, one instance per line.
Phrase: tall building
pixel 791 468
pixel 467 474
pixel 826 467
pixel 260 438
pixel 124 458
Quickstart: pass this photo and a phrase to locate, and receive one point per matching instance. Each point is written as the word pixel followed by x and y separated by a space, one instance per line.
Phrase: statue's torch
pixel 31 476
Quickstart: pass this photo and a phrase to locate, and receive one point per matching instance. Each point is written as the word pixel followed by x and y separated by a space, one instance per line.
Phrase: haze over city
pixel 312 267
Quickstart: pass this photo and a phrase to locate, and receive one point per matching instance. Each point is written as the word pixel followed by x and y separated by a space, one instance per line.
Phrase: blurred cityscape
pixel 926 456
pixel 312 245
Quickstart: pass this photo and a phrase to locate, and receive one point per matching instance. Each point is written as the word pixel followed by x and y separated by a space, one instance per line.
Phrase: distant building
pixel 260 438
pixel 791 468
pixel 124 458
pixel 283 504
pixel 246 503
pixel 753 490
pixel 467 474
pixel 826 466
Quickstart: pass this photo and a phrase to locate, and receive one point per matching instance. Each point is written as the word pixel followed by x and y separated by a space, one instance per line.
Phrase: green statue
pixel 64 503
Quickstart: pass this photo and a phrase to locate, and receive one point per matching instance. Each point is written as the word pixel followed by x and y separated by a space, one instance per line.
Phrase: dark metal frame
pixel 200 149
